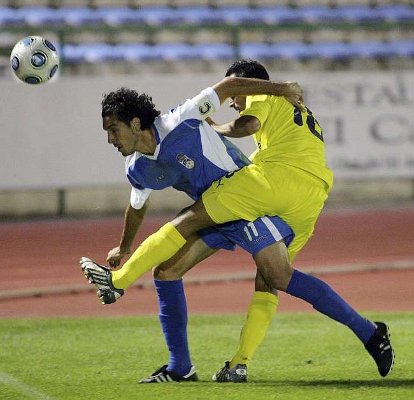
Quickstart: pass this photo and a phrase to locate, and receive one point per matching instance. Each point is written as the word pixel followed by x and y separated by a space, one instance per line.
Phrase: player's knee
pixel 262 286
pixel 274 276
pixel 281 277
pixel 161 273
pixel 284 278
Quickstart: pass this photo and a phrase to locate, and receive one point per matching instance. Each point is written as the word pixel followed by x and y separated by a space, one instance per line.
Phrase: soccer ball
pixel 34 60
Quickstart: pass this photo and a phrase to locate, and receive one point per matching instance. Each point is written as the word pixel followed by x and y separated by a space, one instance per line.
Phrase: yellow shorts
pixel 269 189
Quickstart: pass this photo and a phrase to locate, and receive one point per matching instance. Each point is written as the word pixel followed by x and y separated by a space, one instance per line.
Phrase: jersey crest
pixel 185 160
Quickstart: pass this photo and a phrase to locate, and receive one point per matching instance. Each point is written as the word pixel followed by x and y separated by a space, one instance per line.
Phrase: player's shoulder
pixel 259 98
pixel 176 120
pixel 263 101
pixel 178 114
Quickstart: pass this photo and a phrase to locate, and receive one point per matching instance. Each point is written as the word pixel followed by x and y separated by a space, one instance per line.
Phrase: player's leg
pixel 173 310
pixel 255 236
pixel 263 306
pixel 162 245
pixel 324 299
pixel 311 289
pixel 231 198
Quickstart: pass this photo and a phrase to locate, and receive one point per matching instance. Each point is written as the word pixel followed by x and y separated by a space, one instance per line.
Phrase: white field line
pixel 219 278
pixel 23 388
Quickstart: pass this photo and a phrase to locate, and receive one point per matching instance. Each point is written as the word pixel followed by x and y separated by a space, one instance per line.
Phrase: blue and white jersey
pixel 189 156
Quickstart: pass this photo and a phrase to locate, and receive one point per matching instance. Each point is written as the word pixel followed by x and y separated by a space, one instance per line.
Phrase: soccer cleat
pixel 101 277
pixel 379 347
pixel 161 375
pixel 238 374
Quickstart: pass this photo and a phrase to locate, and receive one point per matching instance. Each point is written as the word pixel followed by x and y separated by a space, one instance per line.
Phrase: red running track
pixel 45 255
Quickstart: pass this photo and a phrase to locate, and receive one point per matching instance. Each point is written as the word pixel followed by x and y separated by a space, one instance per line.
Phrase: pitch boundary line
pixel 206 279
pixel 23 388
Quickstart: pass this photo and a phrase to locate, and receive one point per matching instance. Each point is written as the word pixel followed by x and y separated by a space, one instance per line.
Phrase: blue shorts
pixel 250 236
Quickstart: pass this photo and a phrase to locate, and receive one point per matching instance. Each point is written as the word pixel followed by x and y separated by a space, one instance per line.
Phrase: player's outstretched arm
pixel 132 221
pixel 235 86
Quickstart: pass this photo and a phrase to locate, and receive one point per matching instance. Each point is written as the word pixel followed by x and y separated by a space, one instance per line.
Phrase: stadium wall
pixel 55 159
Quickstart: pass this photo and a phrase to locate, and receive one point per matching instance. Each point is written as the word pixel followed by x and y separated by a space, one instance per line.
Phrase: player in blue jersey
pixel 184 152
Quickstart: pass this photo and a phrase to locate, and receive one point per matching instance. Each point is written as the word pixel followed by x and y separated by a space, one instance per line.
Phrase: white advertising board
pixel 51 135
pixel 368 122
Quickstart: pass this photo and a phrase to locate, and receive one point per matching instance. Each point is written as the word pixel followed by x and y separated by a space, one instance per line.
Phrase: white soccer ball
pixel 34 60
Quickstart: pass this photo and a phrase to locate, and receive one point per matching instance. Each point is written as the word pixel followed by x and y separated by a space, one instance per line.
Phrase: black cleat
pixel 101 277
pixel 379 347
pixel 238 374
pixel 161 375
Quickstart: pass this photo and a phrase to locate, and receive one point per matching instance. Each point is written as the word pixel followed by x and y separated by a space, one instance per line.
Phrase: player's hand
pixel 294 95
pixel 115 256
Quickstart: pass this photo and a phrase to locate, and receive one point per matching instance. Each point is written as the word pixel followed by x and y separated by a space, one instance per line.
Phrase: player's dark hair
pixel 248 69
pixel 127 104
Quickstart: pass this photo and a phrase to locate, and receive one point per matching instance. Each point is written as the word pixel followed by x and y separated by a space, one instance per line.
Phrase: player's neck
pixel 147 143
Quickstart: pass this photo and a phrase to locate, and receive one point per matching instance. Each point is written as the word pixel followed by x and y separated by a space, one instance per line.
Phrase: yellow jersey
pixel 288 136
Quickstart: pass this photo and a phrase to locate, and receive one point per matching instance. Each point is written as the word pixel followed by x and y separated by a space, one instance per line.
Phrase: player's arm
pixel 244 126
pixel 132 221
pixel 133 217
pixel 232 86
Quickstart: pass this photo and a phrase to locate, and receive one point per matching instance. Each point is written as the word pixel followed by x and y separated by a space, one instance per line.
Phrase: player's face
pixel 120 135
pixel 238 103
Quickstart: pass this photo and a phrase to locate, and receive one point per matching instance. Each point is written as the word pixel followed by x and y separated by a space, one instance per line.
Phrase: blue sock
pixel 173 319
pixel 325 300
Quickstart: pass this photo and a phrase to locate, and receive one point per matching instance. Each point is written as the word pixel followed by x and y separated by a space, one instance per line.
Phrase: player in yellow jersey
pixel 288 178
pixel 289 171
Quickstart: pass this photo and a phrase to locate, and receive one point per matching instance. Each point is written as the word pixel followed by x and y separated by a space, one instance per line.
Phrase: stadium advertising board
pixel 368 122
pixel 52 135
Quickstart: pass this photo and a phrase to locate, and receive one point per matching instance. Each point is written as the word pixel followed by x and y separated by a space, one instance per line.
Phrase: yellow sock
pixel 261 310
pixel 155 249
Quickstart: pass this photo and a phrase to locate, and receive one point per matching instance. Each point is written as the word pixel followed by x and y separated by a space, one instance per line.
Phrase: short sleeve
pixel 258 107
pixel 139 197
pixel 207 102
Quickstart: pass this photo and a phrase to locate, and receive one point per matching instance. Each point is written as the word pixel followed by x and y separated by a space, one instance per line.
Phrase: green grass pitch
pixel 304 356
